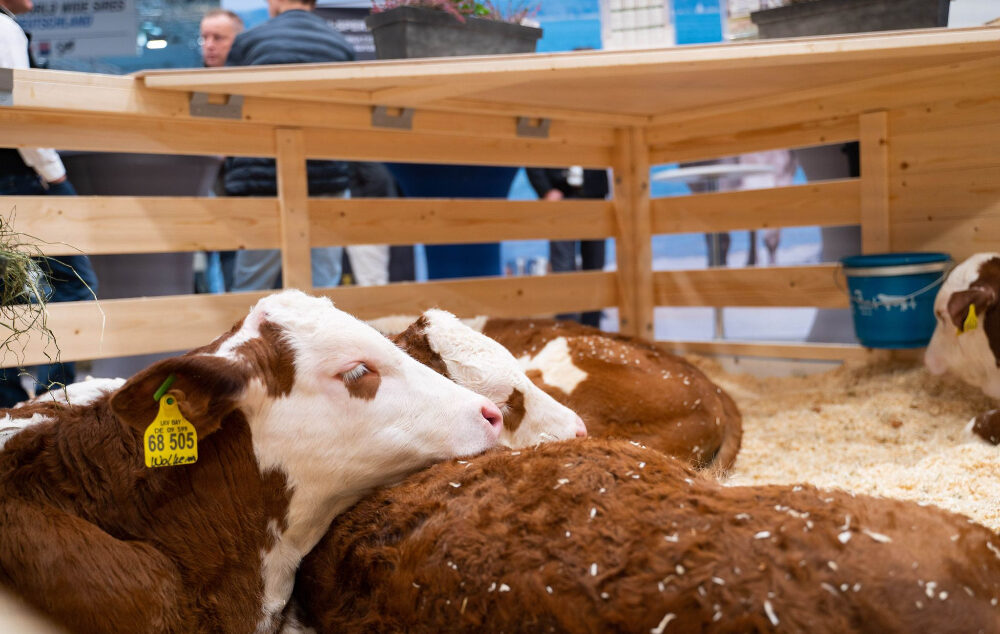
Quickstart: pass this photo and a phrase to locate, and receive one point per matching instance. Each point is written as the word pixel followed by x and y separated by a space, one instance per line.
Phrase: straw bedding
pixel 884 429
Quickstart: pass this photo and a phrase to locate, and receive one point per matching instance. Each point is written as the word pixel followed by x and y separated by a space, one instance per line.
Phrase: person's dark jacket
pixel 292 37
pixel 545 179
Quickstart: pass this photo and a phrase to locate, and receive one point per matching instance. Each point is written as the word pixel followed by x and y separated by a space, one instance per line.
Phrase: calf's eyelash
pixel 355 373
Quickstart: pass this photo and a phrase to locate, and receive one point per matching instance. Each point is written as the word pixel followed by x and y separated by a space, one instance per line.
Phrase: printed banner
pixel 81 28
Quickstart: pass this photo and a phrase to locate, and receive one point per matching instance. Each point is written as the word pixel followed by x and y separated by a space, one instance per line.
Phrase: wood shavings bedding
pixel 883 429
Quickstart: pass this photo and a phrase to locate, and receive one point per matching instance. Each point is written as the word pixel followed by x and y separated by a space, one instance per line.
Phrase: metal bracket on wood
pixel 6 86
pixel 382 118
pixel 538 128
pixel 232 109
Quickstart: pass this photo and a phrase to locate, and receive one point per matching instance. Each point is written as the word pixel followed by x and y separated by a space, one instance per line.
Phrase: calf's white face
pixel 971 355
pixel 357 405
pixel 479 363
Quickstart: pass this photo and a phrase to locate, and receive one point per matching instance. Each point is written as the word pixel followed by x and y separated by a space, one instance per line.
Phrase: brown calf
pixel 623 387
pixel 299 411
pixel 605 536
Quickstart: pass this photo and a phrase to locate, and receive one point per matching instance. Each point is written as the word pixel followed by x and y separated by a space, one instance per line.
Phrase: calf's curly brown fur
pixel 599 536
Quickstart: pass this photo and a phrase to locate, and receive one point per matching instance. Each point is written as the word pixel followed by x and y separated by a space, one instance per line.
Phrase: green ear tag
pixel 170 440
pixel 970 320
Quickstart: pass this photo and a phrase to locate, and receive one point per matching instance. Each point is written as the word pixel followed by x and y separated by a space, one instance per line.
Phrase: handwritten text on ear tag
pixel 170 440
pixel 970 320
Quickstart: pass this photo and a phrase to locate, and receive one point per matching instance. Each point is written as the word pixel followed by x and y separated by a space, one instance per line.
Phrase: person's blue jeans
pixel 68 278
pixel 260 269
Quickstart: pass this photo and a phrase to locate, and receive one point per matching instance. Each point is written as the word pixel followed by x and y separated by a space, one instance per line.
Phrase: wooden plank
pixel 954 111
pixel 875 210
pixel 966 85
pixel 945 195
pixel 748 139
pixel 120 327
pixel 816 286
pixel 68 92
pixel 440 221
pixel 625 247
pixel 914 46
pixel 814 351
pixel 826 204
pixel 498 297
pixel 412 147
pixel 293 208
pixel 132 224
pixel 961 237
pixel 642 231
pixel 102 133
pixel 838 98
pixel 953 148
pixel 66 225
pixel 20 128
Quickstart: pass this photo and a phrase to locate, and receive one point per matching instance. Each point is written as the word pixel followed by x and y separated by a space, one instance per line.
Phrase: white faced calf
pixel 442 342
pixel 299 411
pixel 966 340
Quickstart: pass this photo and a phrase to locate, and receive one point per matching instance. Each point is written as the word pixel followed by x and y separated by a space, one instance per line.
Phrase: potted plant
pixel 798 18
pixel 447 28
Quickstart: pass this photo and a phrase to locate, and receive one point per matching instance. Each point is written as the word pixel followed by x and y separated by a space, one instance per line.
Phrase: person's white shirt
pixel 14 54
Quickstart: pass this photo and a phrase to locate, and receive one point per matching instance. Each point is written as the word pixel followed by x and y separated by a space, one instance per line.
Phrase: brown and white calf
pixel 626 388
pixel 966 340
pixel 444 343
pixel 621 386
pixel 300 410
pixel 605 536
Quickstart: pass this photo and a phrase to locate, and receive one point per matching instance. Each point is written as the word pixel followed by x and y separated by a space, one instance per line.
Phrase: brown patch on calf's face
pixel 415 343
pixel 271 359
pixel 513 414
pixel 364 387
pixel 213 347
pixel 987 426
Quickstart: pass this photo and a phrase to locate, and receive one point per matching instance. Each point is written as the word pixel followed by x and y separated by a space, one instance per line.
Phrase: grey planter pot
pixel 828 17
pixel 408 32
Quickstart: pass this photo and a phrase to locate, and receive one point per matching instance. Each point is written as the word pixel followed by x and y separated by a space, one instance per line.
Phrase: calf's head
pixel 441 341
pixel 329 402
pixel 965 345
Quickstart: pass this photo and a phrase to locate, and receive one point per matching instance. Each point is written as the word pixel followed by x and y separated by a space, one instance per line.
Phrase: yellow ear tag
pixel 970 320
pixel 171 439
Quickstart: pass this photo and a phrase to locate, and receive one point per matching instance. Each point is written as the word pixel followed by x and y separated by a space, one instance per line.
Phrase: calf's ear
pixel 981 296
pixel 206 388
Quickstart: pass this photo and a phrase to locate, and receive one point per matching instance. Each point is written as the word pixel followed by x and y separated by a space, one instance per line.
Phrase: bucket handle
pixel 840 280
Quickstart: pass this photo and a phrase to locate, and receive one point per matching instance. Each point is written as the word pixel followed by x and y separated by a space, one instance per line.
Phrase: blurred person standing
pixel 569 183
pixel 218 31
pixel 219 28
pixel 293 35
pixel 37 172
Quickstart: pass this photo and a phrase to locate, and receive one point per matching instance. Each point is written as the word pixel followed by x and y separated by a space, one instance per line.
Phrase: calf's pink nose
pixel 581 429
pixel 493 417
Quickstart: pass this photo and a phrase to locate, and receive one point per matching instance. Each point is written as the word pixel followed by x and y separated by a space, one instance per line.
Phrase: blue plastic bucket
pixel 892 296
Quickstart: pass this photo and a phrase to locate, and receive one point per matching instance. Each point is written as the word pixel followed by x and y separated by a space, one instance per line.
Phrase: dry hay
pixel 884 429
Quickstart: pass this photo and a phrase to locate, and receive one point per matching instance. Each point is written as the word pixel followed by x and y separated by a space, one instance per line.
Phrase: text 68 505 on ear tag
pixel 170 440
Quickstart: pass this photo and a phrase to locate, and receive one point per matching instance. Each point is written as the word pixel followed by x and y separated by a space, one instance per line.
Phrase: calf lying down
pixel 597 536
pixel 442 342
pixel 622 387
pixel 297 412
pixel 966 340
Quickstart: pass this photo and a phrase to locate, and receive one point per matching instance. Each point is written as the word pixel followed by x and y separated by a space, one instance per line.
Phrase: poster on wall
pixel 350 21
pixel 64 29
